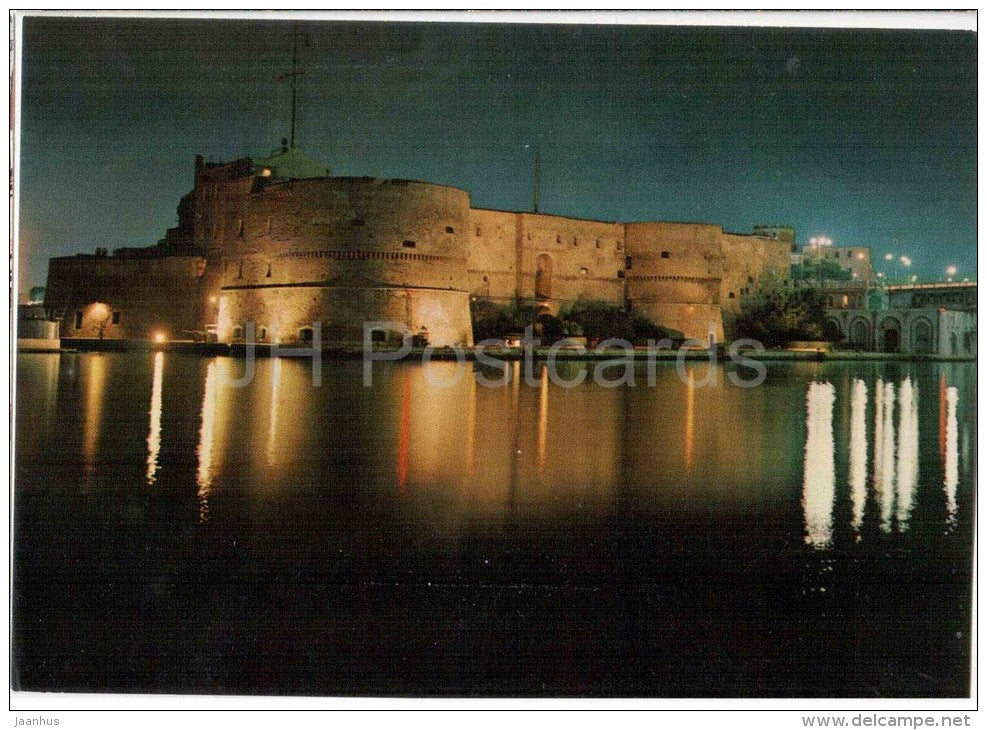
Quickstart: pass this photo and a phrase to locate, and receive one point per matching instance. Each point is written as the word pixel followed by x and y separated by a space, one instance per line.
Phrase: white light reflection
pixel 907 475
pixel 858 451
pixel 154 429
pixel 952 457
pixel 884 452
pixel 820 475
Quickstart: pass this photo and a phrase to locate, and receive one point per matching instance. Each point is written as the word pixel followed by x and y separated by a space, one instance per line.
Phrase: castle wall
pixel 285 253
pixel 148 295
pixel 674 275
pixel 745 260
pixel 342 251
pixel 577 258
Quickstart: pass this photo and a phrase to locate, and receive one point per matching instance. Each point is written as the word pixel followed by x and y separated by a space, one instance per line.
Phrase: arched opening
pixel 890 335
pixel 860 334
pixel 305 334
pixel 922 337
pixel 543 277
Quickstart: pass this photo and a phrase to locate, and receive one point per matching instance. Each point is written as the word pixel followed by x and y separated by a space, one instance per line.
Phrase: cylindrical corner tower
pixel 343 252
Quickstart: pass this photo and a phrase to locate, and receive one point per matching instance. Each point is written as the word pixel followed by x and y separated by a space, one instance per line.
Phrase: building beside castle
pixel 280 242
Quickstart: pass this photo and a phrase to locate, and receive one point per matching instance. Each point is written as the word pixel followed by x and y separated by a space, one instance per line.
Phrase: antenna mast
pixel 293 75
pixel 537 178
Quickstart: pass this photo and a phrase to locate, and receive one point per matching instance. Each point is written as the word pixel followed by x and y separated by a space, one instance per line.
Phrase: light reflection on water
pixel 819 484
pixel 540 447
pixel 154 429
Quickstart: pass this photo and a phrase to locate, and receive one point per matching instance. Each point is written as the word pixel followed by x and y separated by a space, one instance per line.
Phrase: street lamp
pixel 950 272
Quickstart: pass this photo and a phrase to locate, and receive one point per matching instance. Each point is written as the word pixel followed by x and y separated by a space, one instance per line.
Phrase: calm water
pixel 808 537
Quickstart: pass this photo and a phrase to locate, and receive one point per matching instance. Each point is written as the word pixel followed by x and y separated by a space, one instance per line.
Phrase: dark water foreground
pixel 808 537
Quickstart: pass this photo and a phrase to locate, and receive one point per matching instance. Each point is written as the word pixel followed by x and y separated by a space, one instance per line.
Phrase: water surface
pixel 808 537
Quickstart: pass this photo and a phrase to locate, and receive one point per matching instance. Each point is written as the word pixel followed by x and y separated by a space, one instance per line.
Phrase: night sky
pixel 863 136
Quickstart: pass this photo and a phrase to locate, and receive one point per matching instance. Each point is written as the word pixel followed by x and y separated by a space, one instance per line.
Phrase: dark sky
pixel 864 136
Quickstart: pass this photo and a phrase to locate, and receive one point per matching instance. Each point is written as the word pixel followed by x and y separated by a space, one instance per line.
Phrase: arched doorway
pixel 922 337
pixel 543 277
pixel 860 334
pixel 890 335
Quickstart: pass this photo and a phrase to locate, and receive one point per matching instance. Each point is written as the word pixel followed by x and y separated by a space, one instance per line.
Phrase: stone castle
pixel 279 242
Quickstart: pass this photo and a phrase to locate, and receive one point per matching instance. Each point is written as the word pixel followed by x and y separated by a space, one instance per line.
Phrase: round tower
pixel 342 252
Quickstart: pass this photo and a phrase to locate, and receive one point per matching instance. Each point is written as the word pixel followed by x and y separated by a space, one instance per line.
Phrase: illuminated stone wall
pixel 285 254
pixel 150 295
pixel 745 260
pixel 674 276
pixel 343 251
pixel 576 258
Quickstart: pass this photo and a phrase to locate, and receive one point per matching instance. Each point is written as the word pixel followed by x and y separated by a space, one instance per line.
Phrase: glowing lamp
pixel 159 337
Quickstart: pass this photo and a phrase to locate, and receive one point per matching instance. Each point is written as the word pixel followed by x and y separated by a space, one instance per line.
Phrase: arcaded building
pixel 280 243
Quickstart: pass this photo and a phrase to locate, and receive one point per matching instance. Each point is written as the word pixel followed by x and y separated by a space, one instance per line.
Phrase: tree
pixel 818 270
pixel 600 320
pixel 775 314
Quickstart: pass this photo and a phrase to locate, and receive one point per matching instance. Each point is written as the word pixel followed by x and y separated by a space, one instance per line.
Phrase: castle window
pixel 731 295
pixel 628 262
pixel 584 271
pixel 478 230
pixel 263 334
pixel 116 318
pixel 305 334
pixel 266 172
pixel 356 222
pixel 240 228
pixel 575 241
pixel 78 319
pixel 450 229
pixel 485 278
pixel 237 333
pixel 239 273
pixel 620 274
pixel 408 244
pixel 268 270
pixel 597 242
pixel 665 254
pixel 558 238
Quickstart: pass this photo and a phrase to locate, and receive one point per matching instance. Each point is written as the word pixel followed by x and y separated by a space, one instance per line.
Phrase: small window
pixel 450 229
pixel 408 244
pixel 485 278
pixel 116 318
pixel 306 334
pixel 750 279
pixel 378 336
pixel 78 319
pixel 575 241
pixel 558 238
pixel 620 274
pixel 628 262
pixel 731 295
pixel 357 222
pixel 597 242
pixel 237 333
pixel 240 228
pixel 263 334
pixel 665 254
pixel 239 272
pixel 269 271
pixel 478 230
pixel 584 271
